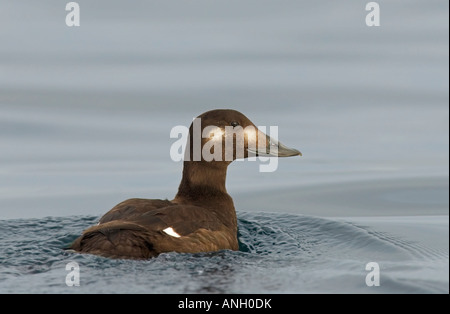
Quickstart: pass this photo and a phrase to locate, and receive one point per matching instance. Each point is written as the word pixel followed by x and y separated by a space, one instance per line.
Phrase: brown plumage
pixel 202 214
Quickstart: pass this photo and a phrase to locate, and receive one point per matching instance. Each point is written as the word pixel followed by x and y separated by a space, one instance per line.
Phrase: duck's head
pixel 224 135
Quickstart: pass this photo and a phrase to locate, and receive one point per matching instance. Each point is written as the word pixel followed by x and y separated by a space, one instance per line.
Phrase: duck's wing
pixel 138 231
pixel 189 229
pixel 161 214
pixel 133 208
pixel 181 219
pixel 115 239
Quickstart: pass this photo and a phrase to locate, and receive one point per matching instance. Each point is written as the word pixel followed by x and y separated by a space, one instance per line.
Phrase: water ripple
pixel 278 253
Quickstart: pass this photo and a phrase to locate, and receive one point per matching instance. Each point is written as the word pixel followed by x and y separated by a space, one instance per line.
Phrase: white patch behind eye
pixel 171 232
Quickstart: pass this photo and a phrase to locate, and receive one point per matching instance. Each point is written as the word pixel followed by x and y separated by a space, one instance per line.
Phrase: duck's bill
pixel 274 148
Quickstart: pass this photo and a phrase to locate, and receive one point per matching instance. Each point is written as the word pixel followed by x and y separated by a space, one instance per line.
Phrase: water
pixel 86 113
pixel 279 253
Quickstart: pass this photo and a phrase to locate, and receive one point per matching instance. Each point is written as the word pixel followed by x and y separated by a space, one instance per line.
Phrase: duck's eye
pixel 234 124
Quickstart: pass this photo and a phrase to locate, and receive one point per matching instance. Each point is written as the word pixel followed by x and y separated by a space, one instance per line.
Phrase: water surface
pixel 86 113
pixel 279 253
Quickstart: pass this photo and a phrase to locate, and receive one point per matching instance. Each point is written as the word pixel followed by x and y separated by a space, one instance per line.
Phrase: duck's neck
pixel 202 181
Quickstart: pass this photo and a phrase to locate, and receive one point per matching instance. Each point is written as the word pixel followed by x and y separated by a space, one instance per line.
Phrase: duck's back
pixel 143 228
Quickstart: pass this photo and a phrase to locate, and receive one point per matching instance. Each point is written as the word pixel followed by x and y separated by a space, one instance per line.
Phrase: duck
pixel 202 216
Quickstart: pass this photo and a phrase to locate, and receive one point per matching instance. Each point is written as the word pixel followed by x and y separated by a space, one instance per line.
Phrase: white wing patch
pixel 171 232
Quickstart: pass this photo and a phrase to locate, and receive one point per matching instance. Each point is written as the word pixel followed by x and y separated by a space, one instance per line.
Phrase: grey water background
pixel 86 113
